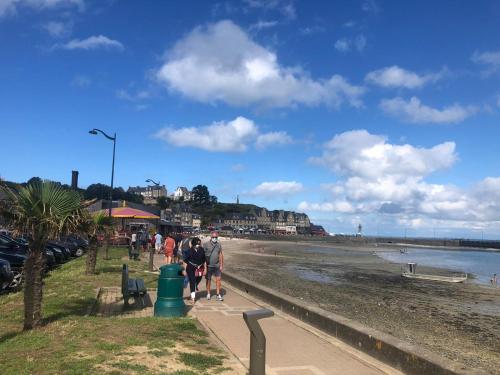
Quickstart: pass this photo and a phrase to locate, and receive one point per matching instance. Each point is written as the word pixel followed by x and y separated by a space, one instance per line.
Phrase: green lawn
pixel 72 343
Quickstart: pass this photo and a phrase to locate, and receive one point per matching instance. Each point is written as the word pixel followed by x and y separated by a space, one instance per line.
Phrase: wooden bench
pixel 132 288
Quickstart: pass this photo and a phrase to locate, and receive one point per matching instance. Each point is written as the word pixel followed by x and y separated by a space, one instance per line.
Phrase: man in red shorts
pixel 169 248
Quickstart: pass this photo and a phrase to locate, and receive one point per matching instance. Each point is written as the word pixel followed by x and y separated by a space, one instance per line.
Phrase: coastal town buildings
pixel 182 194
pixel 150 193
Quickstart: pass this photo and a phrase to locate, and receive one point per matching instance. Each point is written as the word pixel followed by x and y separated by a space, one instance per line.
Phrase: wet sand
pixel 458 321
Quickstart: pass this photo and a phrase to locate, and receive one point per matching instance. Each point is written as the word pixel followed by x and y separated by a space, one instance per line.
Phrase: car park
pixel 6 275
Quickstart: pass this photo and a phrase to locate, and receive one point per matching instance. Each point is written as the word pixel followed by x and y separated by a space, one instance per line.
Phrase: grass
pixel 72 343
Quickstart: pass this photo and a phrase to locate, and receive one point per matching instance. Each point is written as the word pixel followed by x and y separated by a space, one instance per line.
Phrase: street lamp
pixel 152 181
pixel 156 184
pixel 94 132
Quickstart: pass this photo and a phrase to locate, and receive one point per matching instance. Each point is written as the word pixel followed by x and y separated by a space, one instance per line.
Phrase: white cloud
pixel 261 25
pixel 285 7
pixel 93 42
pixel 414 111
pixel 58 29
pixel 359 153
pixel 232 136
pixel 337 206
pixel 490 59
pixel 394 76
pixel 342 45
pixel 376 177
pixel 278 188
pixel 347 44
pixel 272 139
pixel 11 6
pixel 310 30
pixel 133 97
pixel 221 63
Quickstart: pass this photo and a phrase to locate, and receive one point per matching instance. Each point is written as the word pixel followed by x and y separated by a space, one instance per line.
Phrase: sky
pixel 371 112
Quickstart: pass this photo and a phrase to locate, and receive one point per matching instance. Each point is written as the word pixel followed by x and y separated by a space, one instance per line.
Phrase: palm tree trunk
pixel 33 289
pixel 29 282
pixel 91 259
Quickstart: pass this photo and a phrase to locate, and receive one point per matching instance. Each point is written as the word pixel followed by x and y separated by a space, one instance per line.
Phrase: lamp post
pixel 156 184
pixel 94 132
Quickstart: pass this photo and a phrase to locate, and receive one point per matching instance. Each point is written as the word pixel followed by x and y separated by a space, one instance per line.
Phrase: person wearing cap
pixel 215 264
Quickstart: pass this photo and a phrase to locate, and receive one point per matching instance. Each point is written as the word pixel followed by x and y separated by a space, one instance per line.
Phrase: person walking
pixel 195 266
pixel 133 240
pixel 184 246
pixel 169 248
pixel 158 241
pixel 215 264
pixel 177 250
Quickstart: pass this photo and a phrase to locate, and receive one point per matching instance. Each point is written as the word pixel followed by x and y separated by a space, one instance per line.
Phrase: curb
pixel 402 355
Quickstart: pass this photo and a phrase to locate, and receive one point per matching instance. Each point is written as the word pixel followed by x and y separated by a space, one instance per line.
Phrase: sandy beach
pixel 458 321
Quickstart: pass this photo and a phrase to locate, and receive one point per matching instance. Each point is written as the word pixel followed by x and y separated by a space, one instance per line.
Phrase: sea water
pixel 482 264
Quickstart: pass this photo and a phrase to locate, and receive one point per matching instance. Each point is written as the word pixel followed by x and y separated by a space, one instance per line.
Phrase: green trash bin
pixel 169 301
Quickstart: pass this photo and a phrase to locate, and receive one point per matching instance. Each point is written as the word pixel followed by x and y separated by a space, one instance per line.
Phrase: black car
pixel 6 275
pixel 16 261
pixel 75 249
pixel 64 249
pixel 20 246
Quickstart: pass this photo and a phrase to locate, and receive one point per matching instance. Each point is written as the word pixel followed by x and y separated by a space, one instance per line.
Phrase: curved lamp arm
pixel 152 181
pixel 94 131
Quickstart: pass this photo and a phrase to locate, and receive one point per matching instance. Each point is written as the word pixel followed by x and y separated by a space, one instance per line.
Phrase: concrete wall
pixel 399 354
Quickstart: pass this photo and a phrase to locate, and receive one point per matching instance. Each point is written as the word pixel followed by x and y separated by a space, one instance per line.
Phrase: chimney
pixel 74 180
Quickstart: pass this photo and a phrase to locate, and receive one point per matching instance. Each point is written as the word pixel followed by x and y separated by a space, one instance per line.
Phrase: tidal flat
pixel 460 322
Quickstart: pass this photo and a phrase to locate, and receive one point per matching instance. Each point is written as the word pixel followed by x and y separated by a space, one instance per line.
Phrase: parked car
pixel 6 275
pixel 64 249
pixel 75 249
pixel 20 246
pixel 17 262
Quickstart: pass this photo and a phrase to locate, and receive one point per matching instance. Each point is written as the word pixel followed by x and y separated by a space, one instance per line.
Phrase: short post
pixel 257 340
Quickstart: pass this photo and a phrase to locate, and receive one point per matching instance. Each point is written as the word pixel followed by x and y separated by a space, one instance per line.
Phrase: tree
pixel 94 226
pixel 201 195
pixel 42 210
pixel 163 202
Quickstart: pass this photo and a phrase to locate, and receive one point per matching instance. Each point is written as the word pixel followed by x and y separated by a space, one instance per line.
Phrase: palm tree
pixel 42 210
pixel 95 225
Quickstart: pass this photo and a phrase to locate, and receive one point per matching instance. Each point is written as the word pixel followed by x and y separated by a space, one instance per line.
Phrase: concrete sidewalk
pixel 293 347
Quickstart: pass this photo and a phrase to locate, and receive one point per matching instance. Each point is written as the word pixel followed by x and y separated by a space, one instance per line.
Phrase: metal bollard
pixel 257 340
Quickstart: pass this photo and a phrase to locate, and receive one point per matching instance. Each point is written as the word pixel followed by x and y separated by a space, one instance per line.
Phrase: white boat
pixel 448 279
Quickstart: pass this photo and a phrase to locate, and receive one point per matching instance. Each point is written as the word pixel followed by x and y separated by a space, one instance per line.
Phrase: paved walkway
pixel 293 347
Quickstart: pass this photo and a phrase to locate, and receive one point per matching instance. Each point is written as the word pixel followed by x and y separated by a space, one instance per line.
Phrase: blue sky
pixel 374 112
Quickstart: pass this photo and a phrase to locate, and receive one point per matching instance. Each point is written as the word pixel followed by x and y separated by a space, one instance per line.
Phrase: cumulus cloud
pixel 416 112
pixel 278 188
pixel 232 136
pixel 12 6
pixel 93 42
pixel 272 139
pixel 58 29
pixel 489 59
pixel 357 43
pixel 377 177
pixel 221 63
pixel 394 76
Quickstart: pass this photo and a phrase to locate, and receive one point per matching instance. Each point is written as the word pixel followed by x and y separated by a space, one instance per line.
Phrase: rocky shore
pixel 458 321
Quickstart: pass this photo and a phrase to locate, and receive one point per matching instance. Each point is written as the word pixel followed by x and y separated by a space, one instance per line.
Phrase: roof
pixel 129 212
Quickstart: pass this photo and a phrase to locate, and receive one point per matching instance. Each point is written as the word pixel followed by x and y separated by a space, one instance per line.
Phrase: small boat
pixel 403 251
pixel 411 273
pixel 448 279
